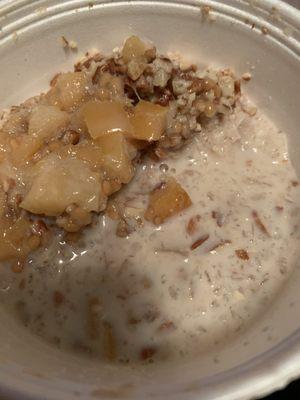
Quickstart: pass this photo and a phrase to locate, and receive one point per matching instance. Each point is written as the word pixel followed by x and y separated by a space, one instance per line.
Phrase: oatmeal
pixel 65 152
pixel 148 212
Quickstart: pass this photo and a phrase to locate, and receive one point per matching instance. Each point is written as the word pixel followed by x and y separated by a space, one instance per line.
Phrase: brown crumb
pixel 22 284
pixel 295 183
pixel 69 44
pixel 71 137
pixel 237 87
pixel 166 326
pixel 264 30
pixel 109 342
pixel 54 79
pixel 72 237
pixel 279 208
pixel 249 109
pixel 242 254
pixel 246 76
pixel 147 352
pixel 147 283
pixel 199 242
pixel 205 10
pixel 39 227
pixel 219 217
pixel 222 243
pixel 18 266
pixel 58 298
pixel 192 225
pixel 259 223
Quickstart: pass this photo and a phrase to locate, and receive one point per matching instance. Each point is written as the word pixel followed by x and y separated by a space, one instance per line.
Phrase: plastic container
pixel 246 35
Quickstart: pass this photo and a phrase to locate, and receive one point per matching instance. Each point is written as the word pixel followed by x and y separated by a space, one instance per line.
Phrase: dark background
pixel 293 390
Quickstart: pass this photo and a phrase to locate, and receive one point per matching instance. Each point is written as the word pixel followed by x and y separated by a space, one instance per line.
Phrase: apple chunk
pixel 70 91
pixel 166 201
pixel 116 160
pixel 47 121
pixel 106 117
pixel 149 121
pixel 16 239
pixel 58 183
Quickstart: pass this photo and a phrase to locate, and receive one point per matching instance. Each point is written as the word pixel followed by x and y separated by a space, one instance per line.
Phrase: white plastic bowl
pixel 31 53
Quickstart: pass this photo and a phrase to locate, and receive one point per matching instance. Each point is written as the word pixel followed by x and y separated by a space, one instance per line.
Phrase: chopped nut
pixel 147 353
pixel 109 342
pixel 249 109
pixel 242 254
pixel 246 76
pixel 219 217
pixel 22 284
pixel 71 137
pixel 222 243
pixel 94 313
pixel 193 225
pixel 69 44
pixel 18 267
pixel 199 242
pixel 39 227
pixel 205 10
pixel 167 326
pixel 58 298
pixel 259 223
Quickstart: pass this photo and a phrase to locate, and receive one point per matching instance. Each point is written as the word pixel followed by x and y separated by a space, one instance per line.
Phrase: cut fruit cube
pixel 23 148
pixel 16 239
pixel 106 117
pixel 70 90
pixel 149 121
pixel 133 48
pixel 166 201
pixel 115 157
pixel 88 151
pixel 16 122
pixel 110 87
pixel 59 183
pixel 47 121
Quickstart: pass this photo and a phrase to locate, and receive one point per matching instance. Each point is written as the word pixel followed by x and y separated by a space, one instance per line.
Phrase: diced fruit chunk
pixel 149 121
pixel 110 87
pixel 16 239
pixel 47 121
pixel 167 200
pixel 17 122
pixel 88 151
pixel 116 158
pixel 133 48
pixel 70 90
pixel 61 182
pixel 23 148
pixel 106 117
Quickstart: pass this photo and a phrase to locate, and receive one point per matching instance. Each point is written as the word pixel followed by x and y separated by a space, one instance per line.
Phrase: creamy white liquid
pixel 152 277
